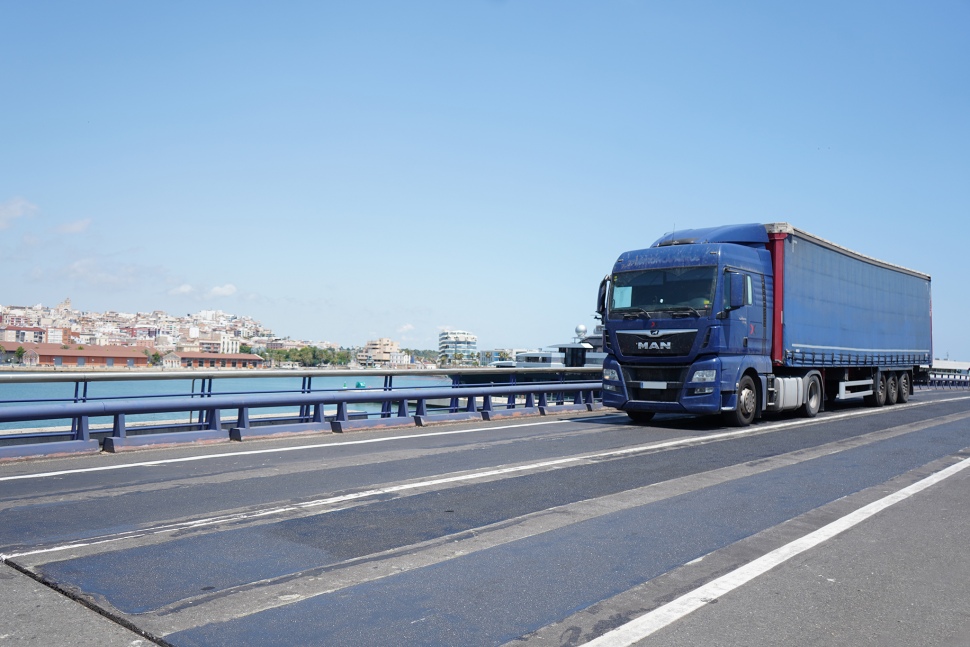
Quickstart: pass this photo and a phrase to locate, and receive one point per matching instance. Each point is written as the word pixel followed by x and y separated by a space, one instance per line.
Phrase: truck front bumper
pixel 691 394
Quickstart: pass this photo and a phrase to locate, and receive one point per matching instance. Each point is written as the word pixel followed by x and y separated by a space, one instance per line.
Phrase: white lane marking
pixel 253 452
pixel 244 516
pixel 651 622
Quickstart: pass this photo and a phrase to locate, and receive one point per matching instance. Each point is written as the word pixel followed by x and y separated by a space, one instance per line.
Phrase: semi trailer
pixel 739 320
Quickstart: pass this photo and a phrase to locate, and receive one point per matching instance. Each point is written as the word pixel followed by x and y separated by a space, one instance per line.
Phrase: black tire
pixel 878 397
pixel 743 415
pixel 892 388
pixel 640 417
pixel 905 386
pixel 813 397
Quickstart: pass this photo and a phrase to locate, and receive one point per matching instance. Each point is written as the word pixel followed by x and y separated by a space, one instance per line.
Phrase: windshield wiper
pixel 684 310
pixel 635 313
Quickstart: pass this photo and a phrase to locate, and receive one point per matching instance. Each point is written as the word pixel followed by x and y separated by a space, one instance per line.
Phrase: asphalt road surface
pixel 847 529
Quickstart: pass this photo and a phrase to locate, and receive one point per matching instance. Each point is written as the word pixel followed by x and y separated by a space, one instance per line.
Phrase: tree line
pixel 313 356
pixel 306 356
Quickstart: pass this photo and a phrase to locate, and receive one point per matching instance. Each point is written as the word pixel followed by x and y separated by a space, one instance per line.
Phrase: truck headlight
pixel 611 375
pixel 708 375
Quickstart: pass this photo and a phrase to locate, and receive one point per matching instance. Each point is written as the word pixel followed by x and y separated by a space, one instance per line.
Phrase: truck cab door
pixel 745 312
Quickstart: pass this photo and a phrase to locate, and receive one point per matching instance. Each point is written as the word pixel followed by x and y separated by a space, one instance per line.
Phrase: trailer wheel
pixel 743 414
pixel 813 397
pixel 905 386
pixel 892 389
pixel 878 398
pixel 640 417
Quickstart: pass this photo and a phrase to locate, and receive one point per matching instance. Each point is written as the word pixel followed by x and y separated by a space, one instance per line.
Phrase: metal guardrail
pixel 474 394
pixel 956 382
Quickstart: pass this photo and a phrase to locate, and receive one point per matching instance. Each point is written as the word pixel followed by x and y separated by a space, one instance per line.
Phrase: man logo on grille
pixel 653 345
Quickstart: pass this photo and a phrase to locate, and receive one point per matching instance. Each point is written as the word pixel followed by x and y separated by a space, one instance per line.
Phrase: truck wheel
pixel 743 415
pixel 813 397
pixel 892 389
pixel 905 387
pixel 878 397
pixel 640 417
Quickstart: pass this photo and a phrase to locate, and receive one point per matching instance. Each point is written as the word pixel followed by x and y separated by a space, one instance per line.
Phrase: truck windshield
pixel 684 289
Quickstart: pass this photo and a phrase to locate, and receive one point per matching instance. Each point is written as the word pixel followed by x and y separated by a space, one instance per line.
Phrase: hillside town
pixel 42 336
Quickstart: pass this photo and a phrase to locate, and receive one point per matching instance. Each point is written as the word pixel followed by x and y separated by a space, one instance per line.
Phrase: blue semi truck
pixel 740 320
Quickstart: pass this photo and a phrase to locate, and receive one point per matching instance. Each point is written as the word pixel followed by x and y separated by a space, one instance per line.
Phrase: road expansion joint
pixel 91 603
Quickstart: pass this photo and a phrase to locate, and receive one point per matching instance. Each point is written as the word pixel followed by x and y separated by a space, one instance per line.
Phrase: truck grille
pixel 665 343
pixel 673 376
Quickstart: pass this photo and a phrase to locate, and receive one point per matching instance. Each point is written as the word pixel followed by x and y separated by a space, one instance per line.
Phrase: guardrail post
pixel 205 390
pixel 213 418
pixel 470 407
pixel 455 382
pixel 422 408
pixel 486 403
pixel 118 429
pixel 82 428
pixel 318 413
pixel 78 397
pixel 305 388
pixel 342 412
pixel 242 419
pixel 543 401
pixel 402 409
pixel 386 405
pixel 530 401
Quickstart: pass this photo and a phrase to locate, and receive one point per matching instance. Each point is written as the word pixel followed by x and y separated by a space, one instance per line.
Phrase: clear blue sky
pixel 344 171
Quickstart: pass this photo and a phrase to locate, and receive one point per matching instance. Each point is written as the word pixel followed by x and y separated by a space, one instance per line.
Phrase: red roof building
pixel 76 355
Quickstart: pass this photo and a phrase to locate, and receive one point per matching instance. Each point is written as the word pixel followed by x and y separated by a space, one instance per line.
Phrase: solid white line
pixel 651 622
pixel 252 452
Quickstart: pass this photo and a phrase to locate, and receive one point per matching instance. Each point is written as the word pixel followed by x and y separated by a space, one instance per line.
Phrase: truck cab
pixel 685 320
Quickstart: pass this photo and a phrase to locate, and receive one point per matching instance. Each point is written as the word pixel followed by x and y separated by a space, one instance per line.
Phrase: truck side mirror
pixel 601 298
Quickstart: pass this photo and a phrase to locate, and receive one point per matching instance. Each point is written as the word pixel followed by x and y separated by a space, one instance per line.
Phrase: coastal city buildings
pixel 64 336
pixel 457 347
pixel 211 331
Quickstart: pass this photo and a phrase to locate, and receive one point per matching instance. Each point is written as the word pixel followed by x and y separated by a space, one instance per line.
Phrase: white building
pixel 457 347
pixel 229 345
